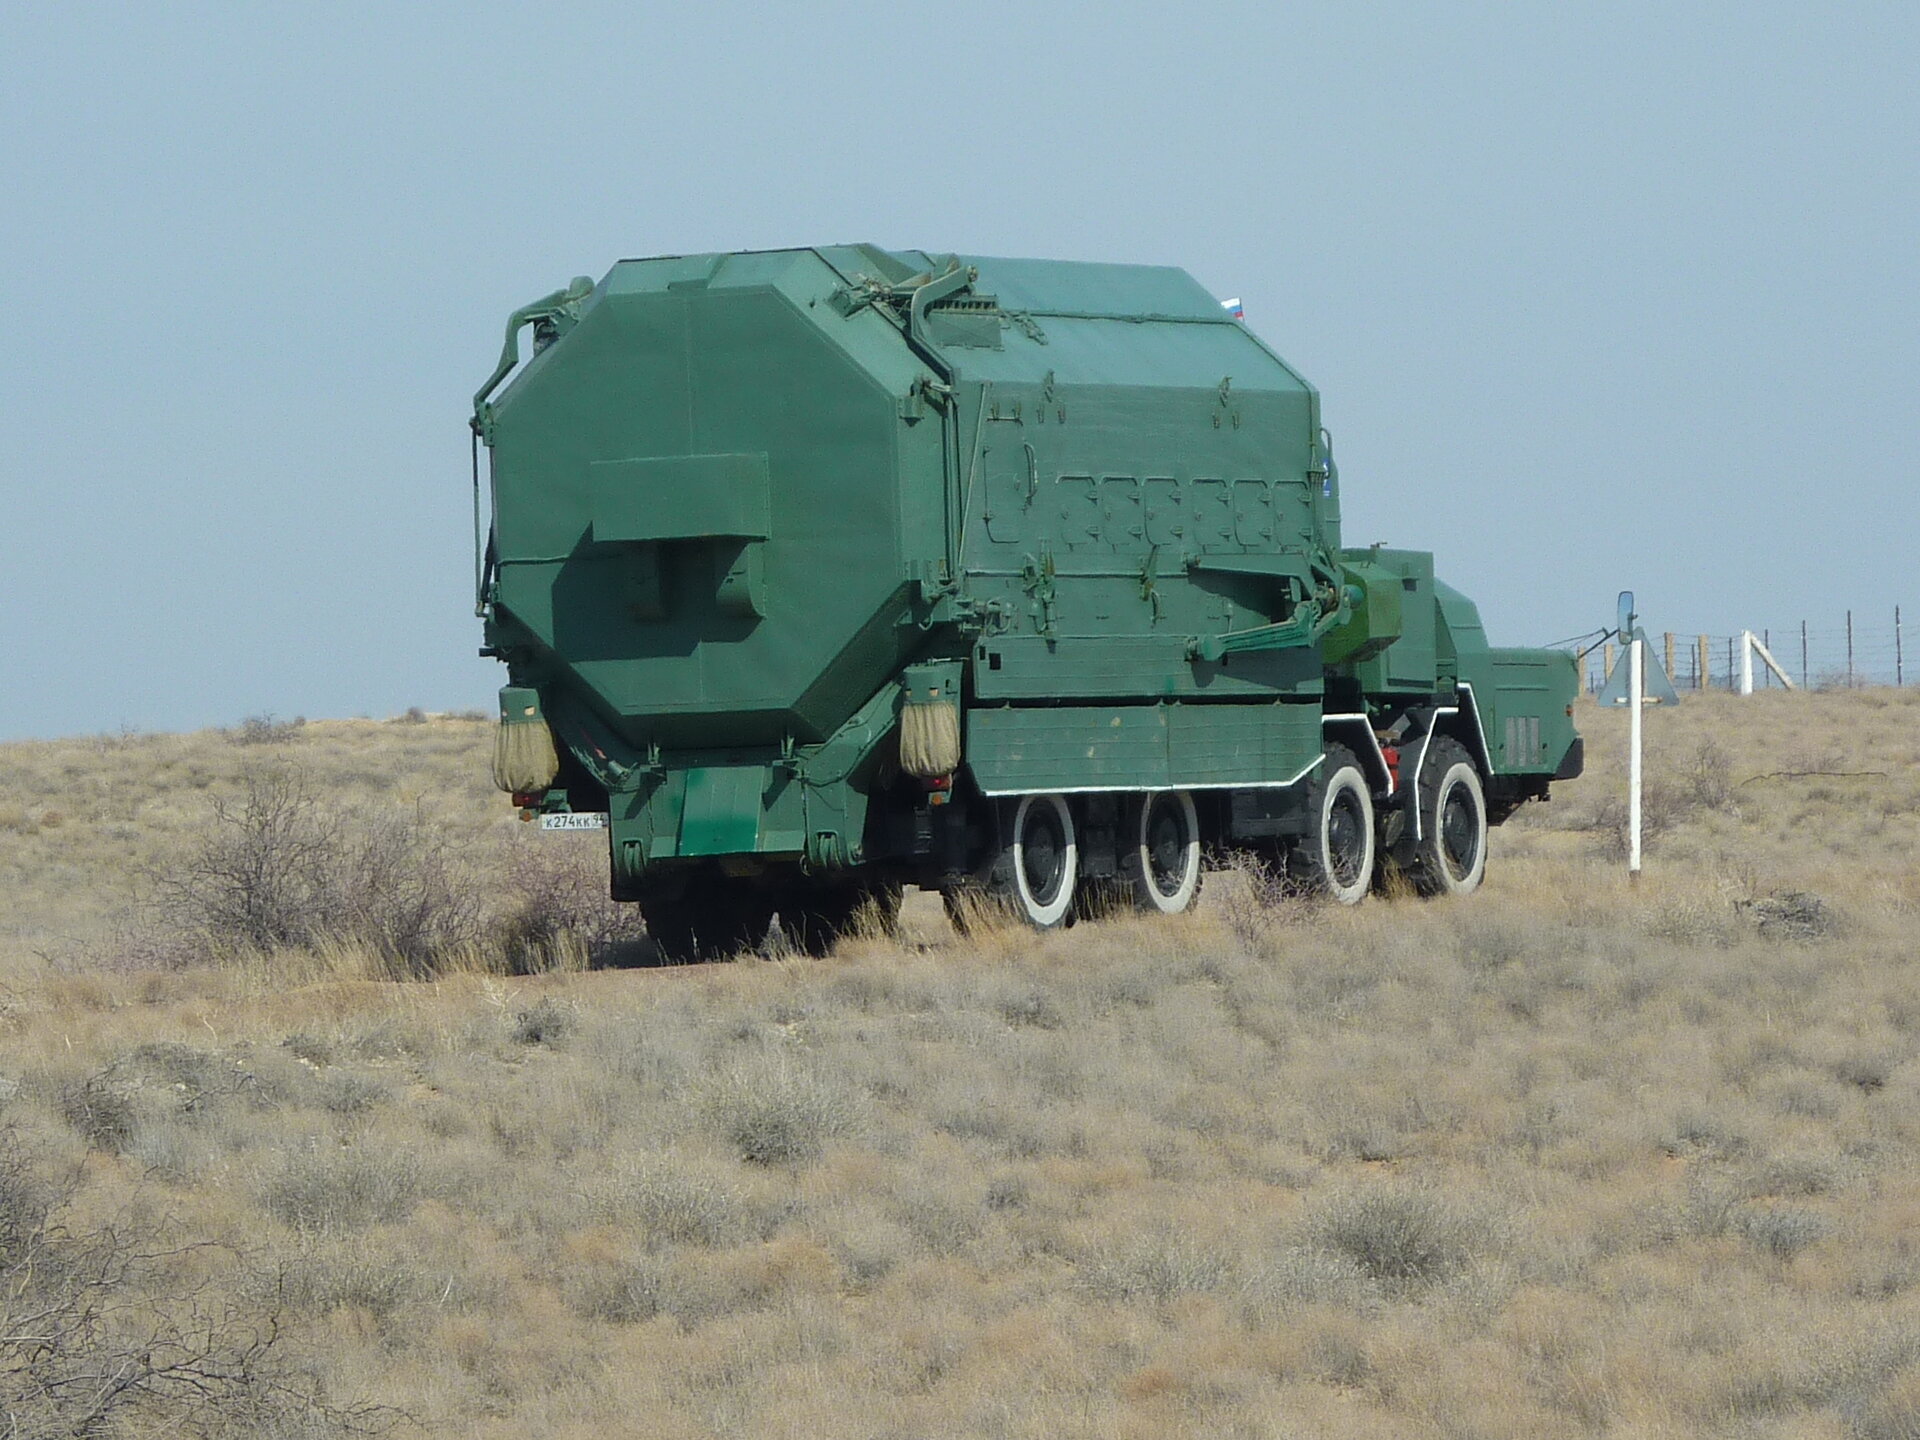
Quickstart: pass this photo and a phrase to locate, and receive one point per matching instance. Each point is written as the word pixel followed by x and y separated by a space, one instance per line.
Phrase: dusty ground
pixel 1564 1157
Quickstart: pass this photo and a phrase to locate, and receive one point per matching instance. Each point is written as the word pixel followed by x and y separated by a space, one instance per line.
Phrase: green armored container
pixel 822 572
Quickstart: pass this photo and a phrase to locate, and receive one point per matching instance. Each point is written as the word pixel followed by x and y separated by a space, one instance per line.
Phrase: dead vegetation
pixel 112 1326
pixel 1563 1158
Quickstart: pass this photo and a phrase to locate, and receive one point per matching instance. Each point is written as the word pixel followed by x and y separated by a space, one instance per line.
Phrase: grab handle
pixel 560 305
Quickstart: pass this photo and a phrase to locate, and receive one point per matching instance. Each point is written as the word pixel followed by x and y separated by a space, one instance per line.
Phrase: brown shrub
pixel 554 905
pixel 279 870
pixel 1404 1236
pixel 106 1329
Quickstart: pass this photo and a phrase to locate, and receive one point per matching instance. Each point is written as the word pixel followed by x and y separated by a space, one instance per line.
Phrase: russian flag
pixel 1234 308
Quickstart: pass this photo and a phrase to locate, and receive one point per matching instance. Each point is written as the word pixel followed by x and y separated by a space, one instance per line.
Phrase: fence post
pixel 1606 662
pixel 1899 657
pixel 1746 662
pixel 1702 677
pixel 1731 678
pixel 1670 653
pixel 1773 666
pixel 1849 649
pixel 1803 655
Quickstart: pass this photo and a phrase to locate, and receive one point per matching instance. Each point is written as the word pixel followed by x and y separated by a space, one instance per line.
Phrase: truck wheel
pixel 1163 862
pixel 1451 855
pixel 970 907
pixel 715 918
pixel 1040 865
pixel 879 909
pixel 1336 857
pixel 814 918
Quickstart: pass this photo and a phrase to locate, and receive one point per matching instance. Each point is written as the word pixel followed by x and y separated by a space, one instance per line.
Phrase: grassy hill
pixel 1564 1157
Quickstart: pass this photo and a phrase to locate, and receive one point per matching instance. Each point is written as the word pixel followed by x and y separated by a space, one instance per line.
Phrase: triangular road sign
pixel 1655 684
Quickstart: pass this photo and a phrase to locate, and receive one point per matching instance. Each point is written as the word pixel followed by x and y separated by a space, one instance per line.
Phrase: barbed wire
pixel 1873 651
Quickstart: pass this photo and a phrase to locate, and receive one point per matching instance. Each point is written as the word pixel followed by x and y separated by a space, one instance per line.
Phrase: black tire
pixel 1162 856
pixel 1098 900
pixel 1450 857
pixel 1335 858
pixel 880 907
pixel 1039 865
pixel 714 918
pixel 816 917
pixel 964 905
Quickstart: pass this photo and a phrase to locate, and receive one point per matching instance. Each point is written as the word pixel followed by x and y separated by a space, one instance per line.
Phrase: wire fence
pixel 1863 650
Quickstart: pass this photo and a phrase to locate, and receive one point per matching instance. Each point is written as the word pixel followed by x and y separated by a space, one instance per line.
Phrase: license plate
pixel 584 820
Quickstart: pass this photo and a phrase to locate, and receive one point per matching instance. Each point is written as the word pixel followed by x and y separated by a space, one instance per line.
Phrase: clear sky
pixel 1596 296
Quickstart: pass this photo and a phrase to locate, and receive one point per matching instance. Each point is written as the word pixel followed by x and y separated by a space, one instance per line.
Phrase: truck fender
pixel 1459 721
pixel 1356 732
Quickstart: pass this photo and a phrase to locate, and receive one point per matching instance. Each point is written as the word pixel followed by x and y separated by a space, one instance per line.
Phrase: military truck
pixel 822 572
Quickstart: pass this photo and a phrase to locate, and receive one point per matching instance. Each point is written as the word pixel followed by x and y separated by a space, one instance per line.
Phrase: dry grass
pixel 1567 1157
pixel 340 848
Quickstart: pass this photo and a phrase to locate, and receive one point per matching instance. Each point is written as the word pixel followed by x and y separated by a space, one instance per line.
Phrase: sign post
pixel 1636 697
pixel 1637 683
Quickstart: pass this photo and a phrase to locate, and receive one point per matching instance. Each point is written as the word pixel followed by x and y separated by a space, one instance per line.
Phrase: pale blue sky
pixel 1596 296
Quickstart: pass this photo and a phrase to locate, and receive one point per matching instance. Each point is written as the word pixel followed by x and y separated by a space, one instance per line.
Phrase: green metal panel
pixel 1012 749
pixel 679 497
pixel 1373 591
pixel 1033 667
pixel 1460 641
pixel 812 802
pixel 1526 717
pixel 672 364
pixel 725 808
pixel 721 811
pixel 1409 663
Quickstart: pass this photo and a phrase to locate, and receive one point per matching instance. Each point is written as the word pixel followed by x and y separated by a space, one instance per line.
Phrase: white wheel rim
pixel 1462 780
pixel 1353 889
pixel 1064 864
pixel 1187 874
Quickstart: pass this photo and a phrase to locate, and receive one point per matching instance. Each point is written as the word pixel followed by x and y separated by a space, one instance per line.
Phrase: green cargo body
pixel 735 496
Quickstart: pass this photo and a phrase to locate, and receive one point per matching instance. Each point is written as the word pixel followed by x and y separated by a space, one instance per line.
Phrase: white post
pixel 1766 658
pixel 1746 662
pixel 1636 690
